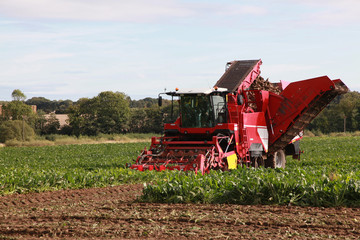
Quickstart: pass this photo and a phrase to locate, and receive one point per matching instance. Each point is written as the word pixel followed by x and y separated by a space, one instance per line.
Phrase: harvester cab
pixel 242 120
pixel 201 108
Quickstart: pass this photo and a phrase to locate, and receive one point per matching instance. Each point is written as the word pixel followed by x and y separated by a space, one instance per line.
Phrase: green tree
pixel 171 112
pixel 151 119
pixel 62 106
pixel 154 120
pixel 108 112
pixel 112 112
pixel 137 120
pixel 75 120
pixel 321 122
pixel 48 106
pixel 52 125
pixel 42 103
pixel 16 110
pixel 17 119
pixel 40 121
pixel 342 114
pixel 347 109
pixel 18 95
pixel 82 118
pixel 15 129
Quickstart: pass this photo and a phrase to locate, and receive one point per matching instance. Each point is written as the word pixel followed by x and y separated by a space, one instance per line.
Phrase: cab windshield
pixel 202 111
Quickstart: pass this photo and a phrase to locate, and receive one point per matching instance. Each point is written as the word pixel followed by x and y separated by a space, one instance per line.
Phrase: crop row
pixel 260 186
pixel 328 175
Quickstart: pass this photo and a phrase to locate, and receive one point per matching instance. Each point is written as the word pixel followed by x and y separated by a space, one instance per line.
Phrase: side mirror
pixel 160 101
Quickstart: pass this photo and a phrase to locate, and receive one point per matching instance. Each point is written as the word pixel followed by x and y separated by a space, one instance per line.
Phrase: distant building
pixel 34 108
pixel 61 117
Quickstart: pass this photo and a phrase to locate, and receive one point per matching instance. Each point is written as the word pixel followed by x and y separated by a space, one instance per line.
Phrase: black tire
pixel 260 161
pixel 254 162
pixel 277 160
pixel 257 162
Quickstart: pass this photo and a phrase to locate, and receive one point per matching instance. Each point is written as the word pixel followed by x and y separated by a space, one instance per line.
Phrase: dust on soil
pixel 113 213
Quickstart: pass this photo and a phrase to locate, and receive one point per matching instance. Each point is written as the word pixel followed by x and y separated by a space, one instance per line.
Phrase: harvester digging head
pixel 170 153
pixel 243 119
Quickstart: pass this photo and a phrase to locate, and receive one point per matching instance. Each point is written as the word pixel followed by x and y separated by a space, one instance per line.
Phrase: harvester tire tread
pixel 277 160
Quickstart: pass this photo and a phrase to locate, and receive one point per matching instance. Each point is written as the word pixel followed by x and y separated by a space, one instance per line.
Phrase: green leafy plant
pixel 328 175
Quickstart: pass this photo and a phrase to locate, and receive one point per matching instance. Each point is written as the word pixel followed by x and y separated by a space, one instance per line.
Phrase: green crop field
pixel 26 169
pixel 327 175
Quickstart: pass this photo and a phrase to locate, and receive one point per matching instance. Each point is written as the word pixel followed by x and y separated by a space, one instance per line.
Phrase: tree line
pixel 107 113
pixel 341 115
pixel 115 112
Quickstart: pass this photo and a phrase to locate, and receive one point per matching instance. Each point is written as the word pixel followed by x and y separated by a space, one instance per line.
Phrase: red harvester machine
pixel 241 120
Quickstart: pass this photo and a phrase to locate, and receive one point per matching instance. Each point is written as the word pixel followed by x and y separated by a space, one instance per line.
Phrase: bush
pixel 308 133
pixel 317 133
pixel 15 129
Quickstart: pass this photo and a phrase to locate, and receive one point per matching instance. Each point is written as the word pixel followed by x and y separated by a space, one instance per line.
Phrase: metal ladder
pixel 245 148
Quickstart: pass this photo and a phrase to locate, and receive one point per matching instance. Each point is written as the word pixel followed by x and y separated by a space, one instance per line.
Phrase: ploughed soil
pixel 113 213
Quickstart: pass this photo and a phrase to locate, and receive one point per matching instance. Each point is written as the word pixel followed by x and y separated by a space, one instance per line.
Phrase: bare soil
pixel 103 213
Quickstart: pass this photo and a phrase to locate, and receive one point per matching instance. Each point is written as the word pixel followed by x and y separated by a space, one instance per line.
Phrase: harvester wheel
pixel 277 160
pixel 254 162
pixel 257 162
pixel 260 161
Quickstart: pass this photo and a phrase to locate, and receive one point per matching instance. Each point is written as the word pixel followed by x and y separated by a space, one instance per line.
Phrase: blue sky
pixel 69 49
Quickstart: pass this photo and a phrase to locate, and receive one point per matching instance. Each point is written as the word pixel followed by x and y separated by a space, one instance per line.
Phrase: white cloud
pixel 331 12
pixel 323 12
pixel 106 10
pixel 30 58
pixel 123 11
pixel 29 66
pixel 280 68
pixel 288 72
pixel 238 9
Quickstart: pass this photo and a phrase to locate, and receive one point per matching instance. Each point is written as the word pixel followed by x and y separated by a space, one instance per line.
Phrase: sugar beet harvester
pixel 242 120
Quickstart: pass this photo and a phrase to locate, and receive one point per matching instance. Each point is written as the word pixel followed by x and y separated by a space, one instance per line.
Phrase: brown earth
pixel 113 213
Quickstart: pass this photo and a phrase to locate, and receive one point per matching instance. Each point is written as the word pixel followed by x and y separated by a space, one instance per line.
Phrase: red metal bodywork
pixel 258 123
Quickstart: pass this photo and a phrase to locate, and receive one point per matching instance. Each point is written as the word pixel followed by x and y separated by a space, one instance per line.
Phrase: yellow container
pixel 232 161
